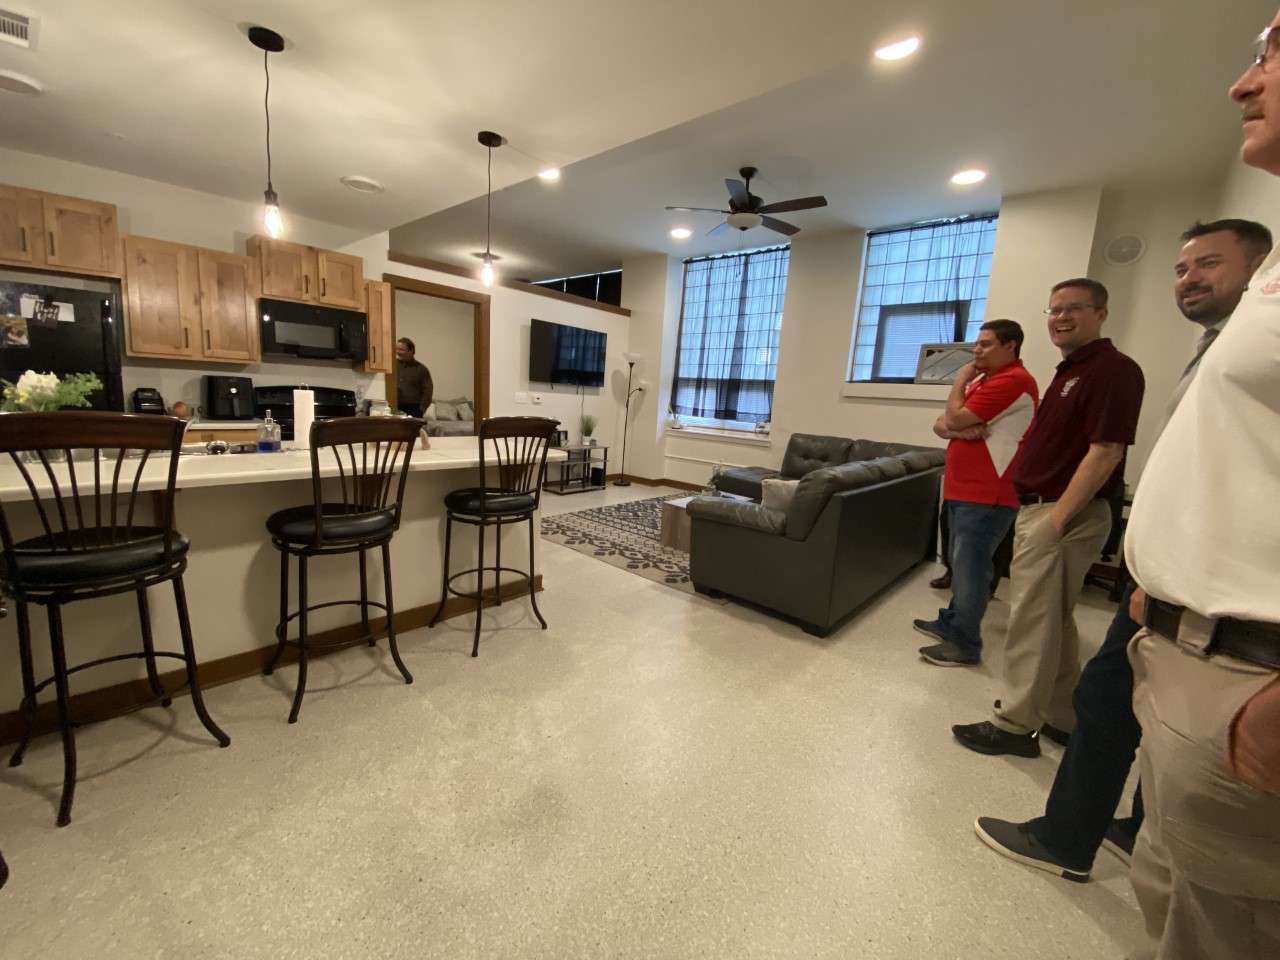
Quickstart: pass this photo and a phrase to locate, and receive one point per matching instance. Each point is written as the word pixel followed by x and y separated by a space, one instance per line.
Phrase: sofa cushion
pixel 873 449
pixel 807 452
pixel 744 481
pixel 738 513
pixel 918 461
pixel 816 489
pixel 776 493
pixel 446 410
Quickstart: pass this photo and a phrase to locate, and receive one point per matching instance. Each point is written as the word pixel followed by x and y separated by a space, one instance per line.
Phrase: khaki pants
pixel 1206 867
pixel 1042 648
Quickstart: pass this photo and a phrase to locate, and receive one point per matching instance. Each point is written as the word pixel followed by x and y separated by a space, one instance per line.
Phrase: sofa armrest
pixel 738 514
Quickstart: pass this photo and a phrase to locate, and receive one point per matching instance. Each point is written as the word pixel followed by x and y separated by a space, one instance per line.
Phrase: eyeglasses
pixel 1266 47
pixel 1068 310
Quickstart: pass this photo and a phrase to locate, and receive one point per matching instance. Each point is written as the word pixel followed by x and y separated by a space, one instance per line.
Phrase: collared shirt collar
pixel 1084 353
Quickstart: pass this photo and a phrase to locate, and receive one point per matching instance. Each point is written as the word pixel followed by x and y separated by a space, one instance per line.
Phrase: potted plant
pixel 588 424
pixel 46 393
pixel 673 418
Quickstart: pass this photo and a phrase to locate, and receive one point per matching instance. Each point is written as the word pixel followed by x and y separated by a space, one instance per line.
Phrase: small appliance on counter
pixel 310 331
pixel 228 398
pixel 148 400
pixel 329 403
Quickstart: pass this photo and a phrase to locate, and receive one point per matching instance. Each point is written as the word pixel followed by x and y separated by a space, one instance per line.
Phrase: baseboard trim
pixel 648 482
pixel 115 701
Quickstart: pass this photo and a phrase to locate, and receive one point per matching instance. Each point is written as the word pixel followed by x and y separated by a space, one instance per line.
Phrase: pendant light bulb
pixel 487 273
pixel 271 219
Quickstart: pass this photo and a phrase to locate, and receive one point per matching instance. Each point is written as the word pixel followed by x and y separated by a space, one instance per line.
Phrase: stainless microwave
pixel 310 330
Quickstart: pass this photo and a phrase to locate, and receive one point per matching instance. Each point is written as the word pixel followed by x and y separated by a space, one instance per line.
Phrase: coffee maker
pixel 228 398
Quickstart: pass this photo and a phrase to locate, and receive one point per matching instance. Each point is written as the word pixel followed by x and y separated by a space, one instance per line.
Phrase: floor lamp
pixel 632 359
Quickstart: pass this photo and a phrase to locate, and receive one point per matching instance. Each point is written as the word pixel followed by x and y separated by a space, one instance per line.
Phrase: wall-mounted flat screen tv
pixel 563 354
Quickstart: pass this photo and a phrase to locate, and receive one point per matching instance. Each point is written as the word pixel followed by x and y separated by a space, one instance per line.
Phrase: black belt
pixel 1247 640
pixel 1026 499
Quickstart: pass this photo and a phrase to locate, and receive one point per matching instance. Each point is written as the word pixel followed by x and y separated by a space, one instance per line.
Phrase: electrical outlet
pixel 522 397
pixel 537 397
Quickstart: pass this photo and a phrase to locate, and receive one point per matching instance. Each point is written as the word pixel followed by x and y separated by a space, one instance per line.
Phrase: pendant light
pixel 269 42
pixel 489 140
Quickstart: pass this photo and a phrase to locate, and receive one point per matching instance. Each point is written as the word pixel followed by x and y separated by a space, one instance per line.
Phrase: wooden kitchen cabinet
pixel 65 234
pixel 81 235
pixel 21 225
pixel 228 317
pixel 288 270
pixel 341 279
pixel 162 289
pixel 382 352
pixel 188 303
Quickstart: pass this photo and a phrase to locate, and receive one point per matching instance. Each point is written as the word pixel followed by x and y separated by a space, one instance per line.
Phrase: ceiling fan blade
pixel 779 226
pixel 699 210
pixel 737 192
pixel 718 228
pixel 801 203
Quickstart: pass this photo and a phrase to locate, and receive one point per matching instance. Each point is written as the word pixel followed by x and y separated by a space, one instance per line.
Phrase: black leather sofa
pixel 850 531
pixel 805 453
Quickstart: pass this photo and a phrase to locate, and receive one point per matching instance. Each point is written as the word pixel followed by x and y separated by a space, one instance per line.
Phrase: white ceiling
pixel 391 89
pixel 1044 95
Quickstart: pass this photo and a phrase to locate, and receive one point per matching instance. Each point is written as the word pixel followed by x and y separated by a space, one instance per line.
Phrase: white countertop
pixel 446 453
pixel 223 424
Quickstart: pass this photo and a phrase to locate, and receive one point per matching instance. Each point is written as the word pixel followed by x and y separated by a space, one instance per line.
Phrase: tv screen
pixel 562 354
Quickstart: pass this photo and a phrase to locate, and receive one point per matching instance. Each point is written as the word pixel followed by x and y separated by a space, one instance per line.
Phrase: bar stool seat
pixel 474 501
pixel 337 525
pixel 53 560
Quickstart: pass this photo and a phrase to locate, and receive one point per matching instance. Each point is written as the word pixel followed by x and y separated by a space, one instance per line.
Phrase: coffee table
pixel 676 525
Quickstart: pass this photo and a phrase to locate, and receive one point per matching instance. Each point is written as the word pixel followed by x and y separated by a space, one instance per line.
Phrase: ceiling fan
pixel 746 210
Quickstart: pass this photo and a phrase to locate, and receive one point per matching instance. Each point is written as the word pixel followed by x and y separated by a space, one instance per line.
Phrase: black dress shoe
pixel 986 737
pixel 941 583
pixel 1016 841
pixel 1056 734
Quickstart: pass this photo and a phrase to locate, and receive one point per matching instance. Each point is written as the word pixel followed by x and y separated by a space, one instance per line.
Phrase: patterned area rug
pixel 624 535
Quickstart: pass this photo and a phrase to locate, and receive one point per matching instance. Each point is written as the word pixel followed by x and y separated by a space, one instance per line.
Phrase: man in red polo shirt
pixel 991 405
pixel 1069 466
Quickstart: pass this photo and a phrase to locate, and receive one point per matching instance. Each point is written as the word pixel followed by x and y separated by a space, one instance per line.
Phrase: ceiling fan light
pixel 899 50
pixel 743 221
pixel 967 178
pixel 681 233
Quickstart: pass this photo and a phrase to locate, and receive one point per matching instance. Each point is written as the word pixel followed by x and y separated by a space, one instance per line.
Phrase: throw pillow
pixel 777 493
pixel 430 413
pixel 445 410
pixel 466 411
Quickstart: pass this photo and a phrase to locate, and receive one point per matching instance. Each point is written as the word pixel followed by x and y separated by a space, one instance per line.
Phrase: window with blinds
pixel 727 350
pixel 925 283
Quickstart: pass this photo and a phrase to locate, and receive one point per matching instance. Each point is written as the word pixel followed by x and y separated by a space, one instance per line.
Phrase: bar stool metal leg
pixel 497 568
pixel 282 628
pixel 193 677
pixel 28 708
pixel 302 639
pixel 533 596
pixel 391 614
pixel 364 601
pixel 149 647
pixel 64 715
pixel 475 644
pixel 444 586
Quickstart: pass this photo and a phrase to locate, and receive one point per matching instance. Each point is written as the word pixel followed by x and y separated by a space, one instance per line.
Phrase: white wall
pixel 1251 193
pixel 509 314
pixel 651 288
pixel 443 333
pixel 154 209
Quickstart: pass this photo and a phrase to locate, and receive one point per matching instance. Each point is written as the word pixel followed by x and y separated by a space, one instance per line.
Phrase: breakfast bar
pixel 232 577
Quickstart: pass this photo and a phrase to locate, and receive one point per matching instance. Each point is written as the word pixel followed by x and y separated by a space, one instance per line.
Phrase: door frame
pixel 480 325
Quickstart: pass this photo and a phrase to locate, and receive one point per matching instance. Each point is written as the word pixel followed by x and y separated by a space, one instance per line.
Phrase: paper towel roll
pixel 304 414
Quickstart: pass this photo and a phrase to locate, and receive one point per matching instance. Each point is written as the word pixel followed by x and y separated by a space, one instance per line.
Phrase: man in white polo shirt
pixel 1203 545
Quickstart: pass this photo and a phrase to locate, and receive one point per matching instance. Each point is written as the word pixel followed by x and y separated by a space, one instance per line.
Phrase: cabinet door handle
pixel 22 239
pixel 322 287
pixel 208 340
pixel 306 283
pixel 52 251
pixel 186 338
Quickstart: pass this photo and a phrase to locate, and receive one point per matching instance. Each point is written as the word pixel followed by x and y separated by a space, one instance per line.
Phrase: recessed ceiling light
pixel 362 184
pixel 681 233
pixel 549 175
pixel 19 83
pixel 899 50
pixel 967 178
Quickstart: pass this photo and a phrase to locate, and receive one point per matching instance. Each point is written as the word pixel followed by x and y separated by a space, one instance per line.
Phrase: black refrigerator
pixel 61 325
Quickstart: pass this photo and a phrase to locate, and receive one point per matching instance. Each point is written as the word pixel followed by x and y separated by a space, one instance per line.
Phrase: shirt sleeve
pixel 1113 413
pixel 992 397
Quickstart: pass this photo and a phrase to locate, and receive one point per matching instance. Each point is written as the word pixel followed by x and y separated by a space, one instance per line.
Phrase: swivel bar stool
pixel 362 512
pixel 90 546
pixel 516 449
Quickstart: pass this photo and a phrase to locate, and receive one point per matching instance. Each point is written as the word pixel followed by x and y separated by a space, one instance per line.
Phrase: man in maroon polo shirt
pixel 1070 464
pixel 990 408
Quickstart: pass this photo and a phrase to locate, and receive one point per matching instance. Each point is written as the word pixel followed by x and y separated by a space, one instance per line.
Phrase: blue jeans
pixel 976 532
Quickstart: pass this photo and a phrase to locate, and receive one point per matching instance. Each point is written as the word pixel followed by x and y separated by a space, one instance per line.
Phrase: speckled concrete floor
pixel 655 776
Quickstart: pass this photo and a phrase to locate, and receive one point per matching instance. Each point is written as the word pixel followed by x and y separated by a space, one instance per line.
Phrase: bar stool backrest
pixel 90 503
pixel 372 456
pixel 517 446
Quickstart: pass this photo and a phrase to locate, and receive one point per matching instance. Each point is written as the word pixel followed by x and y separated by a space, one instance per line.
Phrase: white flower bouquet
pixel 45 392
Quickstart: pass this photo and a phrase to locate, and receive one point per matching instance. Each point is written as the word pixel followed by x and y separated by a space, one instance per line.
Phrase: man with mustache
pixel 1211 275
pixel 1204 547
